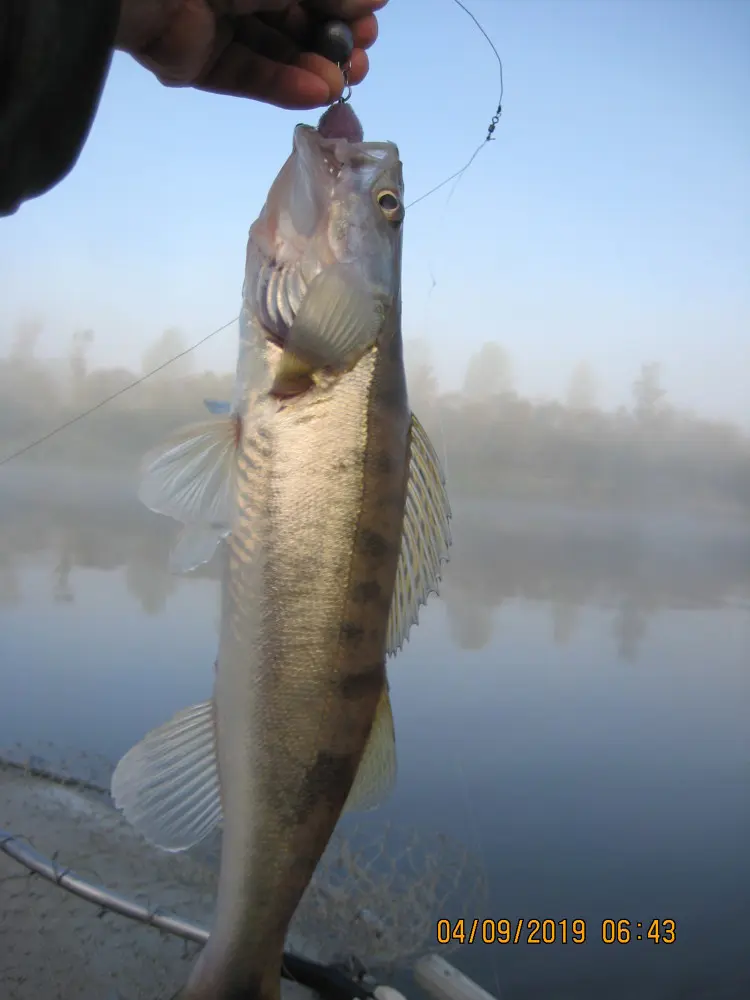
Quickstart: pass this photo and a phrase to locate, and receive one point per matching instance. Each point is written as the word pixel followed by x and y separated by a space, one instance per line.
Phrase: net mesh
pixel 376 896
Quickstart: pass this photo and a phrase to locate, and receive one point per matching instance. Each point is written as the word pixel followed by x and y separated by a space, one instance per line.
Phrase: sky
pixel 609 222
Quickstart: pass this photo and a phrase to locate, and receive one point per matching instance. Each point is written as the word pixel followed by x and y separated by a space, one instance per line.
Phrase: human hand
pixel 246 48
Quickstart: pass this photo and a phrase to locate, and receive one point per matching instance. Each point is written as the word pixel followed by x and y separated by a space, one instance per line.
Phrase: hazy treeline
pixel 634 568
pixel 648 454
pixel 498 443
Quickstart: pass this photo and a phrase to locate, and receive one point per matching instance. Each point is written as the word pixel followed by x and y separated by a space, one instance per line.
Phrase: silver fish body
pixel 331 502
pixel 298 714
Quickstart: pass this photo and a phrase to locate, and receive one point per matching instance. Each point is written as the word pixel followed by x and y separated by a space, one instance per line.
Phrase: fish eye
pixel 390 205
pixel 388 201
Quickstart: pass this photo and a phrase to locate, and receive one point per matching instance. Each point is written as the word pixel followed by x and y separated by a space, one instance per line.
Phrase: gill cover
pixel 324 255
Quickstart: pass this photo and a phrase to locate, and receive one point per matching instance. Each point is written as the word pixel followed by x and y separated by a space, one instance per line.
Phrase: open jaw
pixel 340 122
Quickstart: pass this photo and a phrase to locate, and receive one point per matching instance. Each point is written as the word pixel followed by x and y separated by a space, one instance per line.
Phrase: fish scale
pixel 330 502
pixel 313 680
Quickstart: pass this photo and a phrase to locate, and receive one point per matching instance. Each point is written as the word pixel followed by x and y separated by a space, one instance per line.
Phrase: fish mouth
pixel 340 152
pixel 340 122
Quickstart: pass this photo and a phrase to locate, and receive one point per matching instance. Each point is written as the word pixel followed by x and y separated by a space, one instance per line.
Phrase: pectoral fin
pixel 219 407
pixel 425 541
pixel 337 322
pixel 189 477
pixel 195 546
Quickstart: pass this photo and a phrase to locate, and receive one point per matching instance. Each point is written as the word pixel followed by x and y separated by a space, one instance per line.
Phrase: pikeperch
pixel 332 503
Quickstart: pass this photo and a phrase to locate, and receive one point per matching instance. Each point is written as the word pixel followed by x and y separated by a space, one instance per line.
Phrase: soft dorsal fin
pixel 425 540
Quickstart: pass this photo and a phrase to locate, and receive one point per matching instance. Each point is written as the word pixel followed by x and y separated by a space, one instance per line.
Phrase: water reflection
pixel 585 790
pixel 635 567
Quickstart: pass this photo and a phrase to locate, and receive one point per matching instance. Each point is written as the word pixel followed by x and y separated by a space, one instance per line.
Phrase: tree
pixel 582 388
pixel 167 350
pixel 25 340
pixel 28 390
pixel 422 381
pixel 488 373
pixel 79 348
pixel 648 394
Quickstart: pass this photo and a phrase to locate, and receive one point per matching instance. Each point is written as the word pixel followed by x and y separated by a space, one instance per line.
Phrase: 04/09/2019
pixel 534 930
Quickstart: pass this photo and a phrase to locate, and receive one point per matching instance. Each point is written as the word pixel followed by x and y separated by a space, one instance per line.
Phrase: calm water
pixel 576 711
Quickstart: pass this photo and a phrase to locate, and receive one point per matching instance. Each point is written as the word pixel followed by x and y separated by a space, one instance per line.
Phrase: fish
pixel 328 501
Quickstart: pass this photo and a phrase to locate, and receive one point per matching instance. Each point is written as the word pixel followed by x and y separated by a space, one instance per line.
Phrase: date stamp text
pixel 537 930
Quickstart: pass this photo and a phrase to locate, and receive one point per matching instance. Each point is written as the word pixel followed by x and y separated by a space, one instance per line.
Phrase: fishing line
pixel 455 177
pixel 494 121
pixel 114 395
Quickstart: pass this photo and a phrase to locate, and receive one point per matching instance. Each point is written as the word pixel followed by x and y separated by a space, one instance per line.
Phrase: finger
pixel 359 67
pixel 365 31
pixel 333 76
pixel 296 24
pixel 238 8
pixel 347 10
pixel 326 70
pixel 265 39
pixel 271 44
pixel 239 72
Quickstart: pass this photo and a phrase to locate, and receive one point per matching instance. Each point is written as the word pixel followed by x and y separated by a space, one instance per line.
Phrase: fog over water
pixel 574 708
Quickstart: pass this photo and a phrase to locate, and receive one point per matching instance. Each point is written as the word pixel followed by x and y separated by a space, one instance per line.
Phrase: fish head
pixel 324 256
pixel 334 202
pixel 350 195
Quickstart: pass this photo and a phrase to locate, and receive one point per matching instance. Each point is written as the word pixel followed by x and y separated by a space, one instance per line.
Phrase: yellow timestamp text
pixel 519 930
pixel 623 931
pixel 537 930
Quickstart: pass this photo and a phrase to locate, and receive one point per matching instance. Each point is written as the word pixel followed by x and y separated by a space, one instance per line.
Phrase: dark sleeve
pixel 54 58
